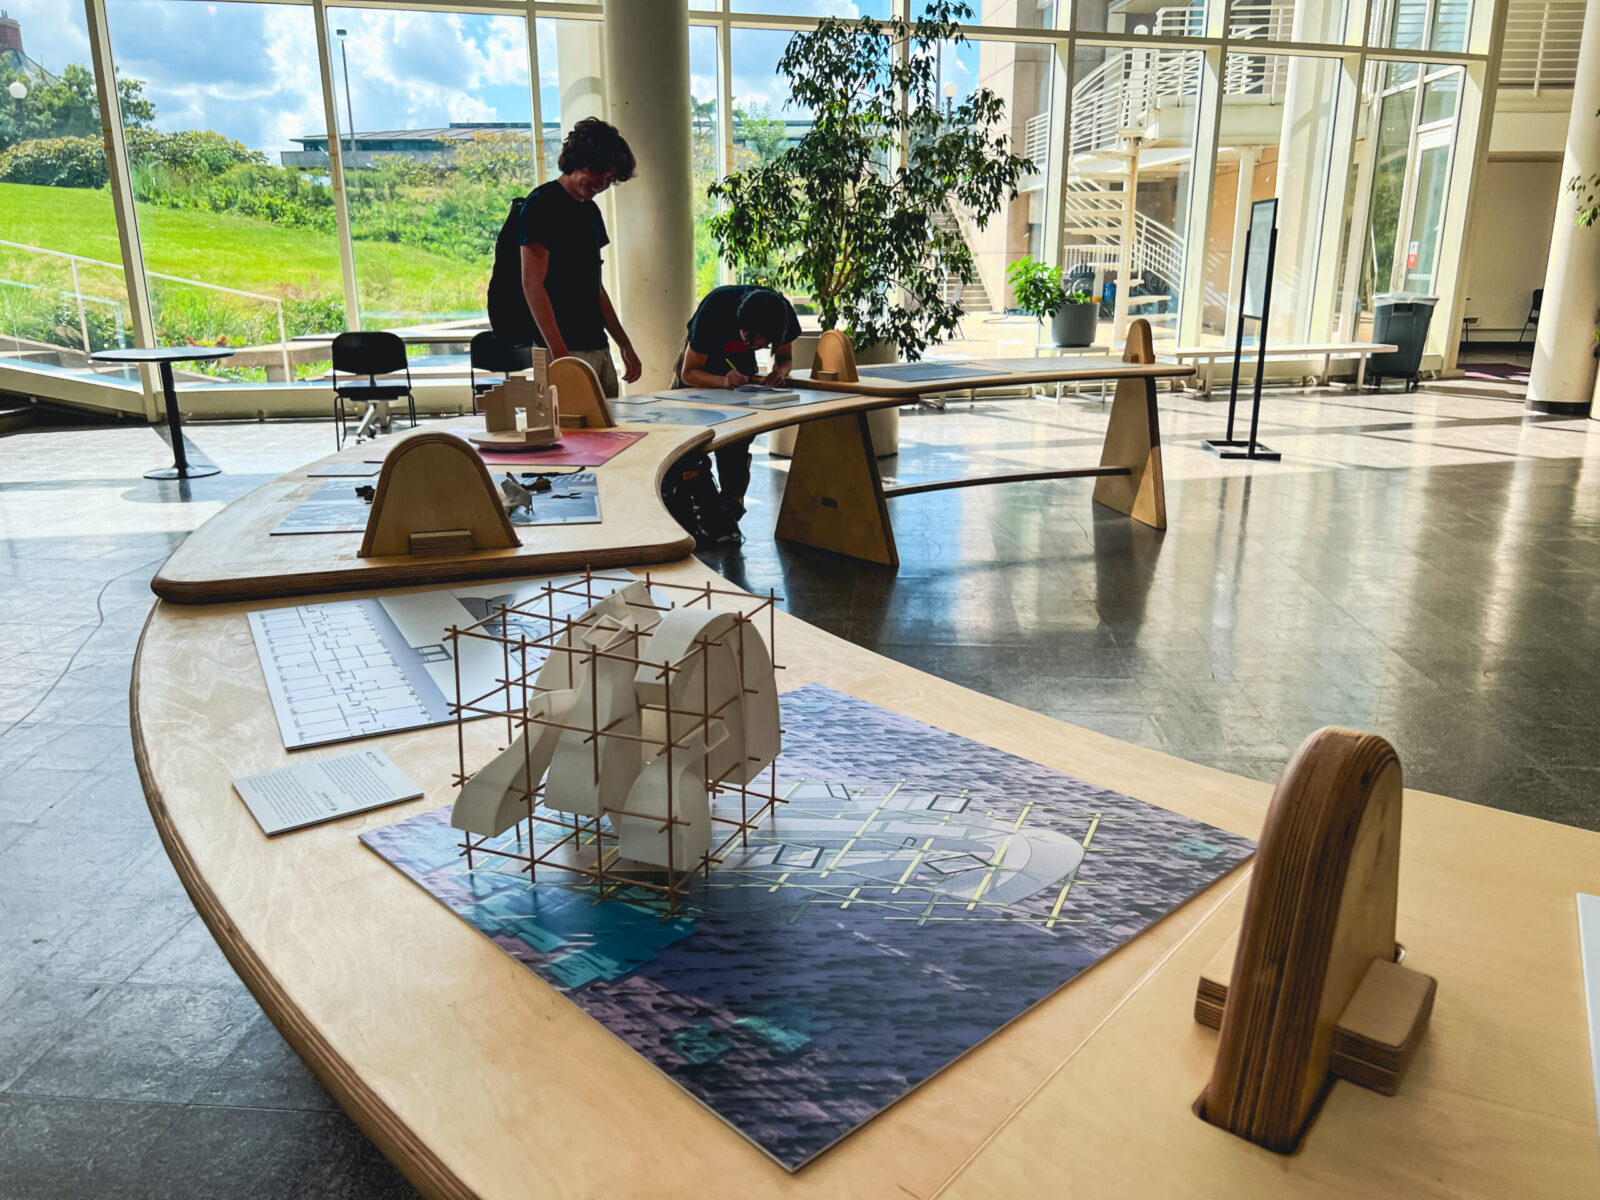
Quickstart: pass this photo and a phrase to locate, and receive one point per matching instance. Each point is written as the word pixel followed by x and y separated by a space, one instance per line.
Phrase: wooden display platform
pixel 478 1080
pixel 234 556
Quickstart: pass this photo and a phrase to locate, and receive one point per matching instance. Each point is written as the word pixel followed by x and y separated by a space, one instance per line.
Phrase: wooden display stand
pixel 1130 480
pixel 435 497
pixel 583 400
pixel 1316 991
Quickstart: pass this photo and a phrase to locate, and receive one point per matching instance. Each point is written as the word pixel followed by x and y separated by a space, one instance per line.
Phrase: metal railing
pixel 1036 140
pixel 1541 44
pixel 78 294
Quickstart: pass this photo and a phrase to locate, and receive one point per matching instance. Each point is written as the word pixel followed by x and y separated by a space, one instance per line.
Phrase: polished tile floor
pixel 1426 566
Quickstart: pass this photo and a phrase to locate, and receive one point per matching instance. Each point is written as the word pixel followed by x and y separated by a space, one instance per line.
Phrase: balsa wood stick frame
pixel 509 700
pixel 1315 968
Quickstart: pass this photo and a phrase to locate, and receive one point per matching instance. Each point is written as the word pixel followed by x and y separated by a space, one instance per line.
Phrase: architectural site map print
pixel 917 893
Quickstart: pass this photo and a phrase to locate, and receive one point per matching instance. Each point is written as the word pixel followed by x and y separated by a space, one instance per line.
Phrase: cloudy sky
pixel 250 70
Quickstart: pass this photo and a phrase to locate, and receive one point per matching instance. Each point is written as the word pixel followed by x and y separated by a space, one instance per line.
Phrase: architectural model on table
pixel 529 393
pixel 637 715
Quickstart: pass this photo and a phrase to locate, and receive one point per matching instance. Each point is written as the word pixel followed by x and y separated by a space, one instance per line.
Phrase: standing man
pixel 546 289
pixel 727 329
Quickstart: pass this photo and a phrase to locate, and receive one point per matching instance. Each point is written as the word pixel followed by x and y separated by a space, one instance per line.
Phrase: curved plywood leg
pixel 835 357
pixel 435 496
pixel 834 499
pixel 1315 965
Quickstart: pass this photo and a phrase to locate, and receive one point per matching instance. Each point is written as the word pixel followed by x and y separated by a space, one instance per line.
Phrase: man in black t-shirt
pixel 727 329
pixel 546 288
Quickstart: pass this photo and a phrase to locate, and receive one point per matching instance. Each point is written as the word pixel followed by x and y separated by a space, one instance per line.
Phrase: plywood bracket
pixel 833 499
pixel 435 498
pixel 1313 990
pixel 1376 1035
pixel 1133 441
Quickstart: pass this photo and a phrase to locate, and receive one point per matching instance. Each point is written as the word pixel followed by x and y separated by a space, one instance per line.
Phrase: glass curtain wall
pixel 435 120
pixel 1150 145
pixel 63 294
pixel 237 229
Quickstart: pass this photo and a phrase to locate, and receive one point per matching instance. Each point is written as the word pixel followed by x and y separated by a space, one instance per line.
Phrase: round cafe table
pixel 165 356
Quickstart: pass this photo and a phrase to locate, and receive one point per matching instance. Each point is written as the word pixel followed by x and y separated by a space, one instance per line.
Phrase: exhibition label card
pixel 308 793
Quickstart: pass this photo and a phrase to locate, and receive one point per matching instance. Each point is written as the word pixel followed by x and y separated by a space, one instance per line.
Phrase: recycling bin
pixel 1401 319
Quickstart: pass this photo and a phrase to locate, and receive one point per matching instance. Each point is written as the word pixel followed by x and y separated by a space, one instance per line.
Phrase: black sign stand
pixel 1231 447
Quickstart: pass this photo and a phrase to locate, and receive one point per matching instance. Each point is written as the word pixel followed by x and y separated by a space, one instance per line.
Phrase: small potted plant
pixel 1073 315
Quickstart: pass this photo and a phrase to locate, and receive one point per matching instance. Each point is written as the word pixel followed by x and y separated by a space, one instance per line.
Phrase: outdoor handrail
pixel 75 259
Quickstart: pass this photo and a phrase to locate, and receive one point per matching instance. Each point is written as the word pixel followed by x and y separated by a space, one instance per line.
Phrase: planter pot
pixel 883 423
pixel 1074 324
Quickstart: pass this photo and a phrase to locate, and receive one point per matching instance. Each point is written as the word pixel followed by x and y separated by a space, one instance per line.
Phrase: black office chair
pixel 487 354
pixel 371 354
pixel 1533 315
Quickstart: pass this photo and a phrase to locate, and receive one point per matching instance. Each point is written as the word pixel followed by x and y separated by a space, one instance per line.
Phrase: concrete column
pixel 577 65
pixel 1563 376
pixel 1306 128
pixel 647 84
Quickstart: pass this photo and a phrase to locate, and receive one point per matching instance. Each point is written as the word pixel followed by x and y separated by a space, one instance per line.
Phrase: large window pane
pixel 1276 142
pixel 849 9
pixel 62 292
pixel 435 120
pixel 1132 138
pixel 1405 144
pixel 706 149
pixel 1020 74
pixel 1153 17
pixel 569 84
pixel 238 236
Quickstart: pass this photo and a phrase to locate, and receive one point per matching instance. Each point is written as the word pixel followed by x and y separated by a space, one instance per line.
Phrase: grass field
pixel 228 250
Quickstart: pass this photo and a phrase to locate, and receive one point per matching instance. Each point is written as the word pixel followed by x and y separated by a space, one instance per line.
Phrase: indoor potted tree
pixel 847 219
pixel 1074 316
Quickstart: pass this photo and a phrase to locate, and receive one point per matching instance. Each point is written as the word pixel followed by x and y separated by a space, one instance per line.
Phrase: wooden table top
pixel 479 1080
pixel 234 556
pixel 995 373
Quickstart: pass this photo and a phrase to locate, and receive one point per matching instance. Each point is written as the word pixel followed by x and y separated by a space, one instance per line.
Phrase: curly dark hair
pixel 594 145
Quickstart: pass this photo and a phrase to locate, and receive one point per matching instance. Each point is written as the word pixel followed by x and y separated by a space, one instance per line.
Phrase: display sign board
pixel 1263 219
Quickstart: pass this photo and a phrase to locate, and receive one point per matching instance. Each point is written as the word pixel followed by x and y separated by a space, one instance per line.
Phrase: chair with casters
pixel 1533 314
pixel 371 354
pixel 486 353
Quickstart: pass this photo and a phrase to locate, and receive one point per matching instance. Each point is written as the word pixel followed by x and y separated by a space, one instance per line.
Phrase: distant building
pixel 13 58
pixel 418 145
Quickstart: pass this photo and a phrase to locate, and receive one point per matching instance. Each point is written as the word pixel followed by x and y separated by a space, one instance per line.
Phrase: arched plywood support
pixel 1314 974
pixel 836 358
pixel 435 497
pixel 1133 440
pixel 581 395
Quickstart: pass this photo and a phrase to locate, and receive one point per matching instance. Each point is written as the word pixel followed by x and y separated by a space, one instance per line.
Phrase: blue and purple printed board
pixel 917 893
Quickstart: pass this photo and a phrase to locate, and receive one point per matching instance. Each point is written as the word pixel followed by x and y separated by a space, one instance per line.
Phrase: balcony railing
pixel 1541 44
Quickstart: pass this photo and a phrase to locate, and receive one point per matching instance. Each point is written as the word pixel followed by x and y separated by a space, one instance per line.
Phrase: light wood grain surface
pixel 479 1080
pixel 1061 370
pixel 234 556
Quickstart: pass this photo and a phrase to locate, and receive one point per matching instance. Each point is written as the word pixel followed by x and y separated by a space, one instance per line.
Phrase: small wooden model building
pixel 529 393
pixel 1314 989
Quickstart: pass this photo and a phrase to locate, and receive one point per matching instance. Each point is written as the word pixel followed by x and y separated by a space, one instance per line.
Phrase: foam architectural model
pixel 639 716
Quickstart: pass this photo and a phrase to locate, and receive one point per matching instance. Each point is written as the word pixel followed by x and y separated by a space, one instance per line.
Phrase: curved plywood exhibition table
pixel 477 1079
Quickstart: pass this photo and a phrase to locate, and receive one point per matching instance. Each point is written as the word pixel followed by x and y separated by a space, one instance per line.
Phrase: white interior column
pixel 1248 157
pixel 647 86
pixel 1563 376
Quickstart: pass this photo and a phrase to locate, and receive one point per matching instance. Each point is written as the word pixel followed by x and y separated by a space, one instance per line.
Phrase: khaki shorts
pixel 600 360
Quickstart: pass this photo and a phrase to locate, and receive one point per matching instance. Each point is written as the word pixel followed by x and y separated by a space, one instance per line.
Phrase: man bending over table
pixel 546 288
pixel 727 329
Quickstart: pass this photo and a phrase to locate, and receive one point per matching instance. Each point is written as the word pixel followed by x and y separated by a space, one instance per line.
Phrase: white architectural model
pixel 529 393
pixel 639 715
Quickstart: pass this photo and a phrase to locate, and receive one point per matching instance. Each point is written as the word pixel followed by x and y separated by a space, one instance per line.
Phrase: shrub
pixel 56 162
pixel 1037 286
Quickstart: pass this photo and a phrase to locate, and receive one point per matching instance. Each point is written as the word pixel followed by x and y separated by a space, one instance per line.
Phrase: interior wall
pixel 1509 241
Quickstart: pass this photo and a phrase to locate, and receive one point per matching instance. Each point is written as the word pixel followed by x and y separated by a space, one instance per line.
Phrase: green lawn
pixel 232 251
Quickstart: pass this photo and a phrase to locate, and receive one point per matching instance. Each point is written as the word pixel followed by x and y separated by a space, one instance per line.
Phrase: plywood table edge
pixel 396 1140
pixel 910 389
pixel 214 589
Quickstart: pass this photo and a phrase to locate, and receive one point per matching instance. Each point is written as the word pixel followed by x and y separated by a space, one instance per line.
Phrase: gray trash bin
pixel 1401 319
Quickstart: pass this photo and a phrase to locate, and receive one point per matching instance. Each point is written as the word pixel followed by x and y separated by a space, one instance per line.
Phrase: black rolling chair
pixel 371 354
pixel 1533 315
pixel 487 354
